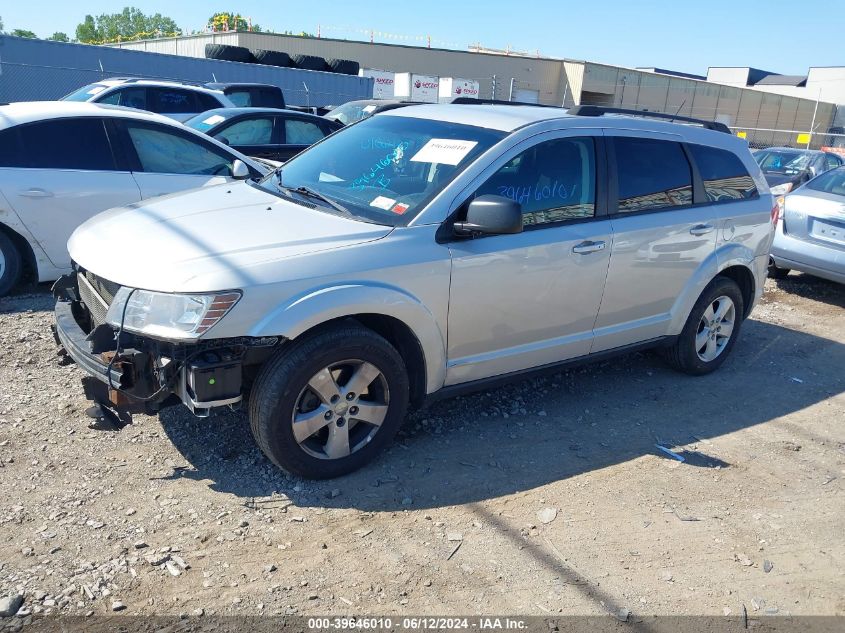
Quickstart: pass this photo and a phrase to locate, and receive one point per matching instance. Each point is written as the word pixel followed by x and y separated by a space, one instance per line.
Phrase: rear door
pixel 252 135
pixel 164 159
pixel 63 173
pixel 298 134
pixel 660 238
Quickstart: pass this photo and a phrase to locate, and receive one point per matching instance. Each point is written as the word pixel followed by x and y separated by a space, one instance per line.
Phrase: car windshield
pixel 351 112
pixel 384 169
pixel 205 121
pixel 85 93
pixel 830 182
pixel 783 162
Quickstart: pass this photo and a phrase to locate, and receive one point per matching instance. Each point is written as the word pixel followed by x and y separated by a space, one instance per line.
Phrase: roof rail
pixel 593 110
pixel 479 101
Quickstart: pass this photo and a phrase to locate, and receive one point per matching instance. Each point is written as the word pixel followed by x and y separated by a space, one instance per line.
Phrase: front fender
pixel 314 307
pixel 725 256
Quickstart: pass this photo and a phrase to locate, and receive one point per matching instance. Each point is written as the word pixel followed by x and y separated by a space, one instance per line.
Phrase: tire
pixel 685 355
pixel 272 58
pixel 309 62
pixel 775 272
pixel 228 53
pixel 11 264
pixel 344 66
pixel 283 390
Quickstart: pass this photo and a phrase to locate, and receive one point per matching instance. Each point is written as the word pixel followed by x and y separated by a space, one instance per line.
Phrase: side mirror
pixel 491 215
pixel 239 170
pixel 224 140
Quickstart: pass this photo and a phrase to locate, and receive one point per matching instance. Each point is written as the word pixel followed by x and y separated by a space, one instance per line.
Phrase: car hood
pixel 208 239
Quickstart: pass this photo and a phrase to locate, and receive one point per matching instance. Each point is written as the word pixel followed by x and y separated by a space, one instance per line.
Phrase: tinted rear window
pixel 725 177
pixel 652 174
pixel 65 144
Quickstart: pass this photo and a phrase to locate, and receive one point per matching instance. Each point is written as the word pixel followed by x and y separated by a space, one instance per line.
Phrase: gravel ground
pixel 547 496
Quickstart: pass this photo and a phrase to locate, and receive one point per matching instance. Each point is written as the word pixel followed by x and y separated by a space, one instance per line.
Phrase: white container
pixel 451 87
pixel 383 82
pixel 416 87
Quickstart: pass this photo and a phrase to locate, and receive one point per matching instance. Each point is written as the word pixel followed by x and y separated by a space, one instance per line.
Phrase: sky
pixel 678 35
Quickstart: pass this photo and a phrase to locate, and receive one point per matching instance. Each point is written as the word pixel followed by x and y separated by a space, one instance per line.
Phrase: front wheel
pixel 711 329
pixel 330 403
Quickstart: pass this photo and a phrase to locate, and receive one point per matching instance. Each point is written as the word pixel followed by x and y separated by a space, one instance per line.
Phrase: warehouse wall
pixel 33 70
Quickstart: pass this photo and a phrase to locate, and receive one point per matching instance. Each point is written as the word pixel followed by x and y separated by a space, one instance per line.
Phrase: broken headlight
pixel 169 316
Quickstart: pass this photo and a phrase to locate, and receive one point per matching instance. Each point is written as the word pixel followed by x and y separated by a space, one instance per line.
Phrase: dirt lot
pixel 548 496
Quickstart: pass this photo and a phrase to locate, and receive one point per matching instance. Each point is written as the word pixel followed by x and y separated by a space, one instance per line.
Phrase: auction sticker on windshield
pixel 381 202
pixel 445 151
pixel 214 119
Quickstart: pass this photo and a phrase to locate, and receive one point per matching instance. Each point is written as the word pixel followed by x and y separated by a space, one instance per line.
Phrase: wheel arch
pixel 390 312
pixel 30 263
pixel 744 278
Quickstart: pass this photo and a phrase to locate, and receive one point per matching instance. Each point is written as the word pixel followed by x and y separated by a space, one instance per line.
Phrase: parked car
pixel 353 111
pixel 786 168
pixel 173 99
pixel 61 163
pixel 251 95
pixel 811 235
pixel 422 252
pixel 264 132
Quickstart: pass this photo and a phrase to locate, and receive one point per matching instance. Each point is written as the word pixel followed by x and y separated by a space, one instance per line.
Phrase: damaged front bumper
pixel 141 374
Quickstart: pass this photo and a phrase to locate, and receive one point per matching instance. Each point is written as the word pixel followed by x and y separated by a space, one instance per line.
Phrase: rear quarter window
pixel 725 177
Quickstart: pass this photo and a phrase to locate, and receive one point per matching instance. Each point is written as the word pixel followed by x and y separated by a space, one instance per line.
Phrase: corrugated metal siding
pixel 572 80
pixel 33 70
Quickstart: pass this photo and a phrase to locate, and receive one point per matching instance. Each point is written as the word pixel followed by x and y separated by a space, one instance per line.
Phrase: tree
pixel 129 24
pixel 24 33
pixel 227 21
pixel 58 36
pixel 1 25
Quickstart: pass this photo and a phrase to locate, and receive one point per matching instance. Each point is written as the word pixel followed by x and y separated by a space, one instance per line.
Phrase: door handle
pixel 588 247
pixel 701 229
pixel 36 193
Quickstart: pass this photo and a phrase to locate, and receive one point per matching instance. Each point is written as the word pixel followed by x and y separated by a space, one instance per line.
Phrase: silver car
pixel 811 235
pixel 423 252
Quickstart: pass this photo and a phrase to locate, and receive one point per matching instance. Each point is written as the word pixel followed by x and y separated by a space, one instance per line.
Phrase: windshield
pixel 85 93
pixel 351 112
pixel 384 169
pixel 830 182
pixel 205 121
pixel 783 162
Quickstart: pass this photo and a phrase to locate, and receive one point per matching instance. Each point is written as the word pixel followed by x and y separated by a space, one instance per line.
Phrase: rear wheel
pixel 330 403
pixel 10 264
pixel 775 272
pixel 711 329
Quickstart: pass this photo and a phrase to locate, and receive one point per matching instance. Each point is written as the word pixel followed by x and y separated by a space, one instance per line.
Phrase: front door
pixel 530 299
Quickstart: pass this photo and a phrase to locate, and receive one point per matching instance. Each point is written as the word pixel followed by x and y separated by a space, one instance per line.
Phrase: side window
pixel 553 181
pixel 205 102
pixel 249 132
pixel 831 162
pixel 163 151
pixel 302 132
pixel 725 177
pixel 66 144
pixel 652 174
pixel 10 151
pixel 171 101
pixel 241 98
pixel 129 97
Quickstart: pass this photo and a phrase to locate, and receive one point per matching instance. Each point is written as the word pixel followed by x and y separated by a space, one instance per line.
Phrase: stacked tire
pixel 344 66
pixel 228 53
pixel 272 58
pixel 310 62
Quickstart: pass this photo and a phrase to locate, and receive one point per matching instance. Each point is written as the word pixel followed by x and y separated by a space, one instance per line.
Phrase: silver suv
pixel 422 252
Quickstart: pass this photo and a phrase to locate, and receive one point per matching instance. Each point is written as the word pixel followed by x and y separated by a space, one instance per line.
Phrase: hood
pixel 208 239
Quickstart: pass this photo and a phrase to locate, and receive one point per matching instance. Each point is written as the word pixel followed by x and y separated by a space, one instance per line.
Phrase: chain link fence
pixel 761 138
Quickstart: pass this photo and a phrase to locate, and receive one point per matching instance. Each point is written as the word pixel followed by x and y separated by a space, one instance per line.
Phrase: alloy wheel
pixel 715 328
pixel 341 409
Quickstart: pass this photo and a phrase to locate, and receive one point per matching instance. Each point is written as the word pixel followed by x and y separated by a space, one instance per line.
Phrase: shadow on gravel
pixel 814 288
pixel 465 450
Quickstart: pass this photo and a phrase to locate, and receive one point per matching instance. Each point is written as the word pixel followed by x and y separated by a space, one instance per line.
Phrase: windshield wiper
pixel 310 193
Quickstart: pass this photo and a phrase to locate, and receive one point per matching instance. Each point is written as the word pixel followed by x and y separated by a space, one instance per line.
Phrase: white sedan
pixel 63 162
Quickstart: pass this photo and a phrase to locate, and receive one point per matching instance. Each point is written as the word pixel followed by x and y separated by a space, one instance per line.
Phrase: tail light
pixel 776 210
